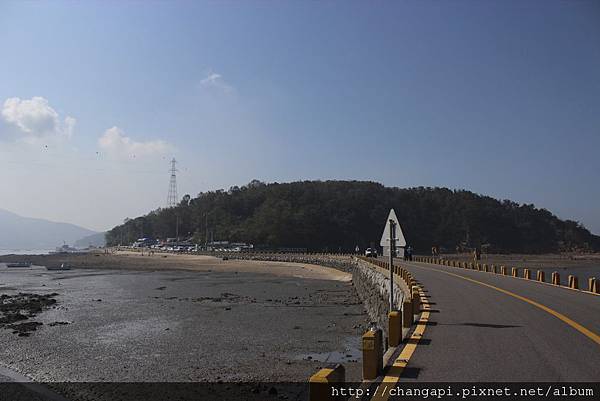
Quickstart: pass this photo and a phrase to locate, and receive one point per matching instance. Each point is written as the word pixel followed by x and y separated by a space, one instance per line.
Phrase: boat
pixel 18 264
pixel 63 250
pixel 61 267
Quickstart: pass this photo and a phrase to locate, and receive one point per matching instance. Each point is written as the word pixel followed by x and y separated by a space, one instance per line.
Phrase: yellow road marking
pixel 585 331
pixel 393 374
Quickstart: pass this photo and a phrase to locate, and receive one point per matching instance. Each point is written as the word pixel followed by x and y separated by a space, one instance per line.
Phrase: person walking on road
pixel 434 251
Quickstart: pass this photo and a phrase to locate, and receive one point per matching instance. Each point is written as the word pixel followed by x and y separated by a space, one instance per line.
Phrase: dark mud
pixel 15 309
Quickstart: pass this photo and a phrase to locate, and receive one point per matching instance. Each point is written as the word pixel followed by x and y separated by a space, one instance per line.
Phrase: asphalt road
pixel 477 333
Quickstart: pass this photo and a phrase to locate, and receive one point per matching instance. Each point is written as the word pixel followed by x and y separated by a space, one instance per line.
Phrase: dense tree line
pixel 338 215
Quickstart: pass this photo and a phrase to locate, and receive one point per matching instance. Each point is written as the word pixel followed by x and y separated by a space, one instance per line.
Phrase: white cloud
pixel 34 119
pixel 115 143
pixel 216 81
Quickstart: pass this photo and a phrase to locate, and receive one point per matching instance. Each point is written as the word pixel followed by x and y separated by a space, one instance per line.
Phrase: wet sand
pixel 183 318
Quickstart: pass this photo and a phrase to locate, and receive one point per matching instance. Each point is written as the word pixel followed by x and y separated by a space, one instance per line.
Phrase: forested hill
pixel 335 215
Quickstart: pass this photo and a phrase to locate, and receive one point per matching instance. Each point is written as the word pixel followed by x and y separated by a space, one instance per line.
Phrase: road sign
pixel 385 237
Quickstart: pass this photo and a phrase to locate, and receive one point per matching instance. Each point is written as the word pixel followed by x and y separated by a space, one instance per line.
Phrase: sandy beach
pixel 128 260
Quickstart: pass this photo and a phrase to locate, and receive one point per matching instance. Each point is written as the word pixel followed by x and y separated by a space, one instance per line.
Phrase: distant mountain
pixel 96 240
pixel 17 232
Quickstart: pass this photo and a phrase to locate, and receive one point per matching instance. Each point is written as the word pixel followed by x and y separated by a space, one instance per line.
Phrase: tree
pixel 322 215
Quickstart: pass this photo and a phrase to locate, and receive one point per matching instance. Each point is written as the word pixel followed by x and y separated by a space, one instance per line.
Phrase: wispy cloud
pixel 215 81
pixel 115 143
pixel 34 120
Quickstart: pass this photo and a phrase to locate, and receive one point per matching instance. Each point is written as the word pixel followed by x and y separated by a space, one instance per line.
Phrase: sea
pixel 25 251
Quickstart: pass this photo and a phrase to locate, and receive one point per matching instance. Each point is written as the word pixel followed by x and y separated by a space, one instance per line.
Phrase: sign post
pixel 393 237
pixel 392 250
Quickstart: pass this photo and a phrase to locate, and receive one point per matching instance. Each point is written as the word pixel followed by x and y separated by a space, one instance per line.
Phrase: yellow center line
pixel 585 331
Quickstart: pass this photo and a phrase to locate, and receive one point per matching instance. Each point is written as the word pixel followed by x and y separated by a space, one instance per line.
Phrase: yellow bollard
pixel 416 301
pixel 540 276
pixel 372 354
pixel 573 282
pixel 593 285
pixel 555 278
pixel 319 384
pixel 503 270
pixel 394 328
pixel 526 274
pixel 485 267
pixel 493 267
pixel 515 272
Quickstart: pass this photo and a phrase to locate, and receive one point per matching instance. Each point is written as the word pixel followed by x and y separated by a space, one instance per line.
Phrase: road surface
pixel 479 333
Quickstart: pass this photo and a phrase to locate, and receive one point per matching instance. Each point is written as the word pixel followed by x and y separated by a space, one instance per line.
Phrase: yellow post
pixel 394 328
pixel 527 274
pixel 493 269
pixel 540 276
pixel 319 384
pixel 573 282
pixel 555 278
pixel 593 285
pixel 503 270
pixel 372 354
pixel 416 300
pixel 515 272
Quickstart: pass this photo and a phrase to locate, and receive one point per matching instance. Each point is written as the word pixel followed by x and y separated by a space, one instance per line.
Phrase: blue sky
pixel 501 98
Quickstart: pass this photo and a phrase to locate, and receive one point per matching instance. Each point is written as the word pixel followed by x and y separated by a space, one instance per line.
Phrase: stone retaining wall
pixel 373 288
pixel 343 263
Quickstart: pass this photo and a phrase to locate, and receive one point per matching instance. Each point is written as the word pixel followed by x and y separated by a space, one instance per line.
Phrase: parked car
pixel 370 253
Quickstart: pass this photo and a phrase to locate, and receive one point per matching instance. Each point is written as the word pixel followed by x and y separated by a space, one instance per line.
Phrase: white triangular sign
pixel 385 237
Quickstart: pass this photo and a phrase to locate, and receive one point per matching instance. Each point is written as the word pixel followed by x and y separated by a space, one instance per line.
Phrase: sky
pixel 498 97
